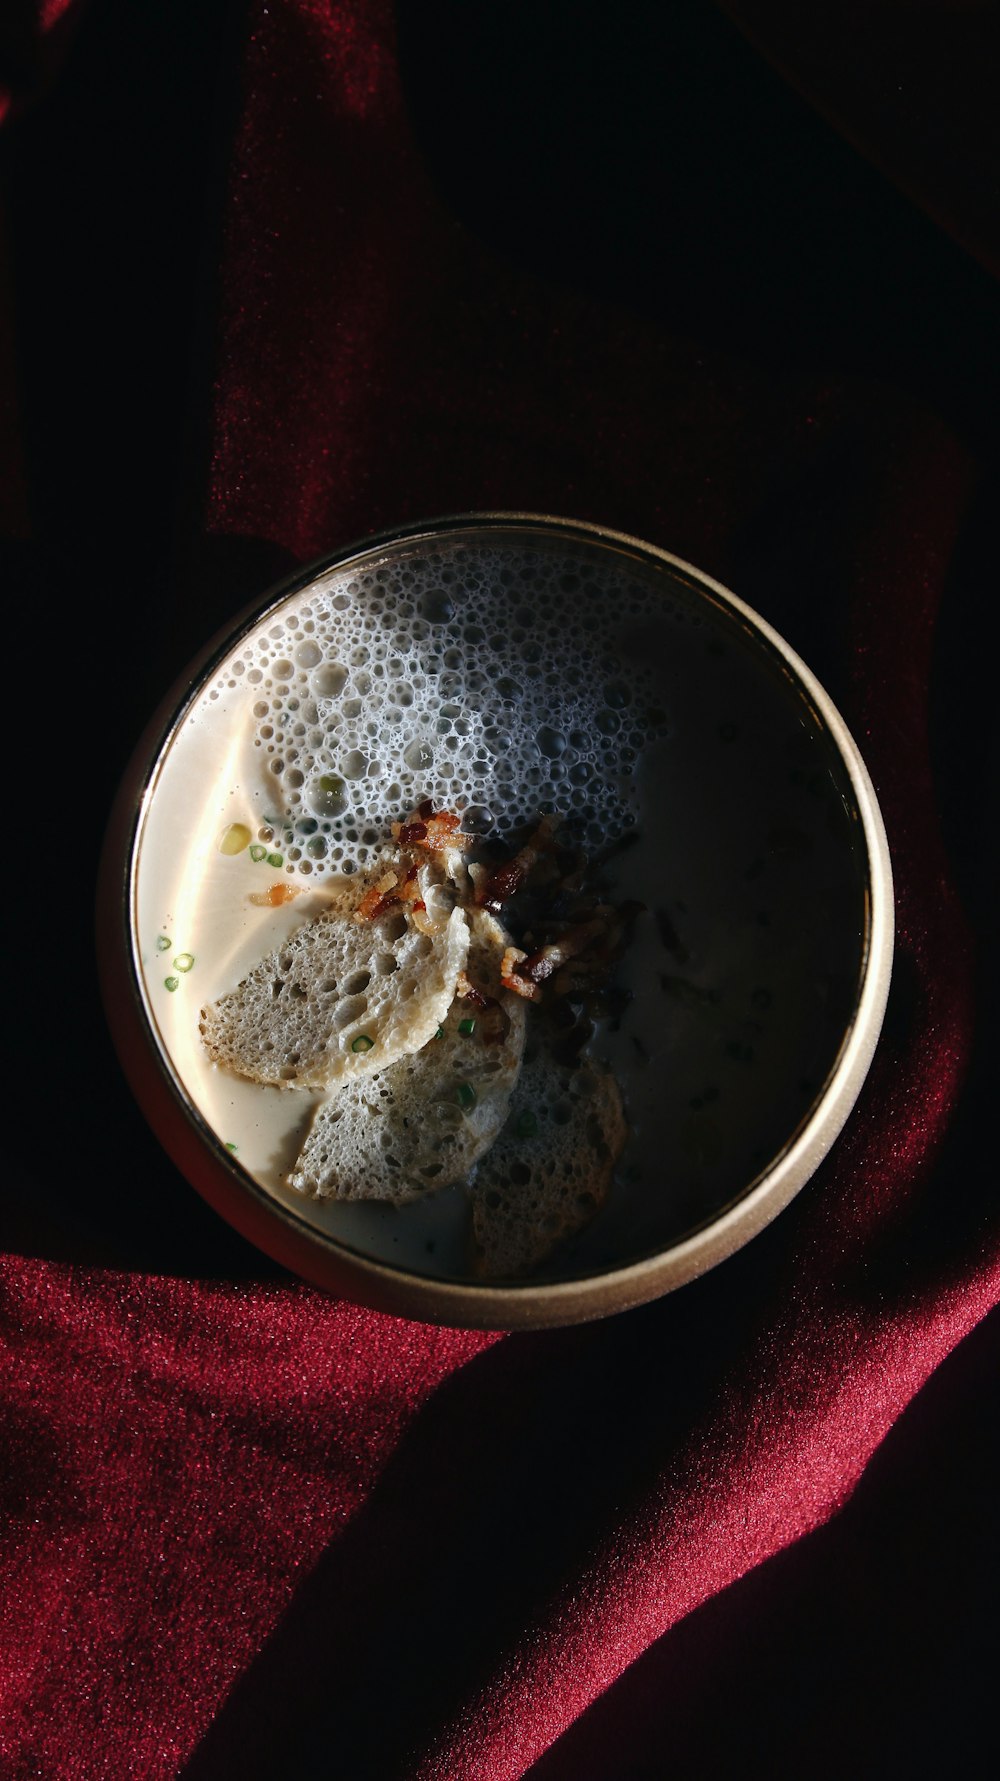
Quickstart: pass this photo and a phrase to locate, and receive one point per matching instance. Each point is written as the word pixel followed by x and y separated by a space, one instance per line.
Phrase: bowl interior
pixel 517 666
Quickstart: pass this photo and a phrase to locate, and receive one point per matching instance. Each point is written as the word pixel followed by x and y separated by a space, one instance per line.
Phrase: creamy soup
pixel 501 675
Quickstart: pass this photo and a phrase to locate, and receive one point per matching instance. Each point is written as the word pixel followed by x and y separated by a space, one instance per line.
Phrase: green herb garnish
pixel 362 1043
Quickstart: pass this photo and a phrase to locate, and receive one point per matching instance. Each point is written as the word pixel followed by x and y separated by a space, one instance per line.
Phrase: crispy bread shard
pixel 423 1122
pixel 338 1000
pixel 550 1168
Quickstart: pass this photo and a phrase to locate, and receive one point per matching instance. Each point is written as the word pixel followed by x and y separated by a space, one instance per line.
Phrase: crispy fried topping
pixel 432 830
pixel 511 977
pixel 507 879
pixel 495 1023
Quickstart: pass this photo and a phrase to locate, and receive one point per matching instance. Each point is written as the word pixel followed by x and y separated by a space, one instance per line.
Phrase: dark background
pixel 864 1649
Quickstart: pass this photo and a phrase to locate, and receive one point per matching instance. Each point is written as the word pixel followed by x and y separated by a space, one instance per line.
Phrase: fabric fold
pixel 252 1527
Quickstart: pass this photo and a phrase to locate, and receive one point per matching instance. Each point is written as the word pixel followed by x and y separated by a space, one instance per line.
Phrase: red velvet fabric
pixel 252 1530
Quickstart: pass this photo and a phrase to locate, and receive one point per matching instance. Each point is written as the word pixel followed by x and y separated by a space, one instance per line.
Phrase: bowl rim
pixel 320 1258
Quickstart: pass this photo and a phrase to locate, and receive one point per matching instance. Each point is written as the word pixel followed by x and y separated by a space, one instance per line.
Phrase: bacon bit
pixel 495 1024
pixel 274 898
pixel 509 977
pixel 431 830
pixel 469 992
pixel 368 904
pixel 500 886
pixel 375 903
pixel 443 831
pixel 506 880
pixel 547 959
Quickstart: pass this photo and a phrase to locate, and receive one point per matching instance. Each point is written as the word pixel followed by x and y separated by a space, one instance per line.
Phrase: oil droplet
pixel 276 897
pixel 235 838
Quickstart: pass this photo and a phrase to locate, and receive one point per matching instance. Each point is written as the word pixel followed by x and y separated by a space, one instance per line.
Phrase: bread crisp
pixel 550 1168
pixel 423 1122
pixel 338 1000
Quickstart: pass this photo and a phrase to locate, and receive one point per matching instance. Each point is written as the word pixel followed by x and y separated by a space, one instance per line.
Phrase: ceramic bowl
pixel 524 663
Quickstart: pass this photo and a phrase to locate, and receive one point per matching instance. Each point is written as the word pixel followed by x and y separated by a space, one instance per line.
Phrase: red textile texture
pixel 251 1530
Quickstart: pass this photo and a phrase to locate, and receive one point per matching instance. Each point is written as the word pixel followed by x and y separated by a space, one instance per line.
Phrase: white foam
pixel 492 682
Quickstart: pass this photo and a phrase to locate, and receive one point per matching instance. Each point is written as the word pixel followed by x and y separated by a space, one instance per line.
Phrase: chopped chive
pixel 230 1145
pixel 275 859
pixel 527 1125
pixel 162 944
pixel 440 1033
pixel 171 982
pixel 257 852
pixel 467 1026
pixel 184 961
pixel 465 1094
pixel 362 1043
